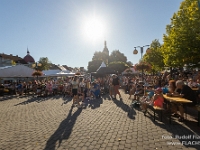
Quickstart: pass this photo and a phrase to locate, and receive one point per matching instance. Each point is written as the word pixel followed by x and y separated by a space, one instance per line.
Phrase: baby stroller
pixel 95 91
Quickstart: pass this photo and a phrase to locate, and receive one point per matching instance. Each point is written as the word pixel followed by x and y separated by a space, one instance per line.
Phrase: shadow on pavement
pixel 66 100
pixel 95 103
pixel 64 130
pixel 7 97
pixel 37 99
pixel 188 136
pixel 130 112
pixel 106 97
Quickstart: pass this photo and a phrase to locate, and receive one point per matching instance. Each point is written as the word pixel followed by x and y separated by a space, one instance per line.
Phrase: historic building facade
pixel 9 60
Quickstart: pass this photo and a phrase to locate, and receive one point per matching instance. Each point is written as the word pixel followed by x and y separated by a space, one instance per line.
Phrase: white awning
pixel 16 71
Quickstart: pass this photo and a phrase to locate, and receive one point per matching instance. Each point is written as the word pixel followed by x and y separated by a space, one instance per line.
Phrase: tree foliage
pixel 94 65
pixel 44 64
pixel 37 73
pixel 13 63
pixel 182 39
pixel 143 66
pixel 154 57
pixel 118 66
pixel 117 61
pixel 116 55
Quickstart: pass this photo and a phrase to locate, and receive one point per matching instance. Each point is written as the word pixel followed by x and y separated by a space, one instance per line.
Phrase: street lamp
pixel 135 51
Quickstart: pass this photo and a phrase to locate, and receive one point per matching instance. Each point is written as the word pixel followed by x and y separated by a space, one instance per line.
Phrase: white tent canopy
pixel 102 65
pixel 16 71
pixel 58 73
pixel 129 71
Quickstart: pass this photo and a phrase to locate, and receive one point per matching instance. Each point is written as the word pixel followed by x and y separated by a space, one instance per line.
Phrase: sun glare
pixel 93 29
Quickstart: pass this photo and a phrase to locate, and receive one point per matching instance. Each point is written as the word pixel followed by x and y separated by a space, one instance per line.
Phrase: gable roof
pixel 54 67
pixel 11 57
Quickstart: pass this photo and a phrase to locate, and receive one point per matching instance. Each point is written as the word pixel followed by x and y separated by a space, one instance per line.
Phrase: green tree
pixel 116 55
pixel 13 63
pixel 116 61
pixel 129 63
pixel 94 65
pixel 44 63
pixel 118 66
pixel 100 56
pixel 182 39
pixel 154 57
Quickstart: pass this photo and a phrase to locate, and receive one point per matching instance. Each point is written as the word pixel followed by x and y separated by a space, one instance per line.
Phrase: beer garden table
pixel 179 100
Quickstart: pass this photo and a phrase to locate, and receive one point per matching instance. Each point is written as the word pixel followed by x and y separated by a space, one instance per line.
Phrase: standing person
pixel 82 87
pixel 116 83
pixel 75 85
pixel 111 87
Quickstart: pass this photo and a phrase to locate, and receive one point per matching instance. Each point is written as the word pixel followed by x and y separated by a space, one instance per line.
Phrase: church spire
pixel 105 50
pixel 28 51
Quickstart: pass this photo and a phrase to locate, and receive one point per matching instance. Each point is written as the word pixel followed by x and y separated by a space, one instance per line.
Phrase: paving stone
pixel 35 124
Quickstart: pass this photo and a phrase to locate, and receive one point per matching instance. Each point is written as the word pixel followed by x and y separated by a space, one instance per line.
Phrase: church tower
pixel 105 50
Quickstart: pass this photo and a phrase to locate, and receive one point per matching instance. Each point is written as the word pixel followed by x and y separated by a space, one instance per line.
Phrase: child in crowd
pixel 156 100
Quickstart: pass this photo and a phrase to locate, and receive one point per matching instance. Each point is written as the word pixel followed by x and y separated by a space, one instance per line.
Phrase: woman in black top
pixel 115 83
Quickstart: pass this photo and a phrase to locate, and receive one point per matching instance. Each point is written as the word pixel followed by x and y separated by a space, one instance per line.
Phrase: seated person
pixel 1 89
pixel 192 83
pixel 95 90
pixel 20 88
pixel 186 92
pixel 171 90
pixel 39 89
pixel 172 86
pixel 156 100
pixel 138 90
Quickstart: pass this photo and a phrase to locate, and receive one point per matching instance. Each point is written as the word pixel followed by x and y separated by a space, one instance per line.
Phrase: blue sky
pixel 58 29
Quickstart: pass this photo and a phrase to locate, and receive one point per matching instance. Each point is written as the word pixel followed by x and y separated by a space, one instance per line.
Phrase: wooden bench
pixel 156 108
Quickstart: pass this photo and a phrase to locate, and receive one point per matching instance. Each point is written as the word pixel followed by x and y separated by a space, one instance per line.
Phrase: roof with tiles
pixel 11 57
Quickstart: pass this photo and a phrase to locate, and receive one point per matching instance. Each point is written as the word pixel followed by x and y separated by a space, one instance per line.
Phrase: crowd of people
pixel 77 87
pixel 149 91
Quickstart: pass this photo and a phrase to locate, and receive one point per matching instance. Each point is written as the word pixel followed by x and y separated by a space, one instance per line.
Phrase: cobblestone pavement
pixel 51 123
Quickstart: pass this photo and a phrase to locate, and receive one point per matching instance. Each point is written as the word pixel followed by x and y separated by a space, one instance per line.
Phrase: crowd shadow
pixel 94 103
pixel 67 100
pixel 130 111
pixel 64 130
pixel 7 97
pixel 106 97
pixel 187 132
pixel 38 99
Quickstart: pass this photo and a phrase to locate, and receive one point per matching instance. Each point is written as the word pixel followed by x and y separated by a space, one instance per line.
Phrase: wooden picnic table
pixel 175 99
pixel 195 89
